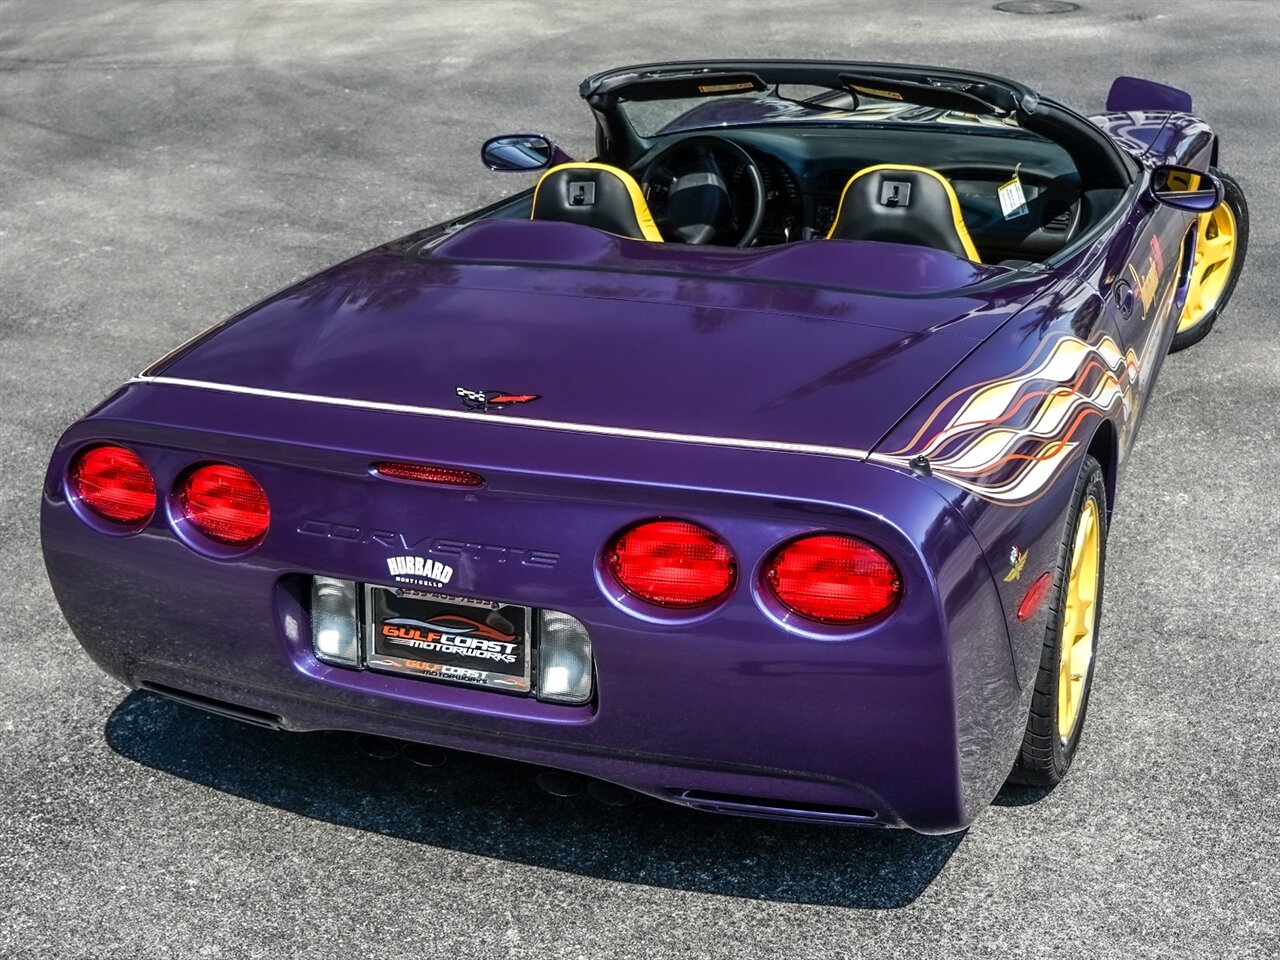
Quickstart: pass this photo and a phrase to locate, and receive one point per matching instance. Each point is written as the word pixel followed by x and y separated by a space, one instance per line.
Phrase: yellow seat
pixel 896 203
pixel 594 195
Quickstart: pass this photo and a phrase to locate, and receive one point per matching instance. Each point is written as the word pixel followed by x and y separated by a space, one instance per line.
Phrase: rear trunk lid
pixel 820 346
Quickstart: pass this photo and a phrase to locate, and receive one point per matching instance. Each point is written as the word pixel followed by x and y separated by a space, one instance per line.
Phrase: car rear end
pixel 510 590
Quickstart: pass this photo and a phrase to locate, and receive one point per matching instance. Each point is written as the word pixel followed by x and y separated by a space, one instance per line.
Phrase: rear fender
pixel 1005 435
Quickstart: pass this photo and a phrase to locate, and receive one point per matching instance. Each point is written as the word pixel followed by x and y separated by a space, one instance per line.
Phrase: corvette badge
pixel 492 399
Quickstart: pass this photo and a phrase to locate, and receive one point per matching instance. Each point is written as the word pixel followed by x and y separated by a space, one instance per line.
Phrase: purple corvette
pixel 762 464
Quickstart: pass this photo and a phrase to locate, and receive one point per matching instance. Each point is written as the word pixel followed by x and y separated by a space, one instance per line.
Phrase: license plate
pixel 454 639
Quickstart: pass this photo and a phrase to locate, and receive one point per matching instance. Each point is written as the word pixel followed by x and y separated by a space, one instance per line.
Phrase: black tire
pixel 1045 756
pixel 1233 198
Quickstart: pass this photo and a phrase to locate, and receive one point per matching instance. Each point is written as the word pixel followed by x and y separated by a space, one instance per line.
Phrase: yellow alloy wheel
pixel 1079 619
pixel 1215 256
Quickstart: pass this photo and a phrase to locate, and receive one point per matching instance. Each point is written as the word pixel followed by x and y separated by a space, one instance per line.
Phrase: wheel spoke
pixel 1217 241
pixel 1216 252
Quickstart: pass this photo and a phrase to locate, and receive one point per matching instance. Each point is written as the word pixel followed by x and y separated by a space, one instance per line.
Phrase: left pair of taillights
pixel 220 500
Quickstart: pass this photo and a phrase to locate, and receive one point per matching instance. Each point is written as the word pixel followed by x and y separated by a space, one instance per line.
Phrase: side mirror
pixel 521 152
pixel 1184 188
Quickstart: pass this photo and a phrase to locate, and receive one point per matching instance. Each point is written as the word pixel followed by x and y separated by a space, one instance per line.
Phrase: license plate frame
pixel 442 638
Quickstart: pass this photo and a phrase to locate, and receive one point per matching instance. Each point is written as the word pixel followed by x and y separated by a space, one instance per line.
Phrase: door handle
pixel 1125 299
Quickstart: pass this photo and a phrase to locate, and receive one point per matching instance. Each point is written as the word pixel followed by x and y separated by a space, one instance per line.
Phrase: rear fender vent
pixel 781 809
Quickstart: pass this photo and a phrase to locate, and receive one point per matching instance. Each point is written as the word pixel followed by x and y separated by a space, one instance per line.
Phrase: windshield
pixel 788 104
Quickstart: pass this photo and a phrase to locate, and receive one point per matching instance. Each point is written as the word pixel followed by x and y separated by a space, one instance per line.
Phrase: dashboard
pixel 804 171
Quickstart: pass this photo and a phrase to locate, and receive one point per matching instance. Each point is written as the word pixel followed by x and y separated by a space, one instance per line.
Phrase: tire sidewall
pixel 1092 487
pixel 1044 757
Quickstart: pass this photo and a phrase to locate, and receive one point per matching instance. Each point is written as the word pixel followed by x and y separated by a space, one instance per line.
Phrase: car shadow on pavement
pixel 1016 795
pixel 493 808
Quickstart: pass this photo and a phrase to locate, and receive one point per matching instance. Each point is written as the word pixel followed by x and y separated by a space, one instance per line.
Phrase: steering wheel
pixel 691 202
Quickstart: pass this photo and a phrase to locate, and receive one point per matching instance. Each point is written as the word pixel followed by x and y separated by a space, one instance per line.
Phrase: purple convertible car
pixel 762 464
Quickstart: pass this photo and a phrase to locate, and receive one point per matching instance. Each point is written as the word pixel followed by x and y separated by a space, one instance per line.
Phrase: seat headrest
pixel 902 204
pixel 594 195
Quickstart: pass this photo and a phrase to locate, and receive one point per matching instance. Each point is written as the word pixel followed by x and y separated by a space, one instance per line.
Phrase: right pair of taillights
pixel 830 578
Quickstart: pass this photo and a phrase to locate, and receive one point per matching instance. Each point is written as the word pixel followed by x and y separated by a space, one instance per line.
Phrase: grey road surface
pixel 162 164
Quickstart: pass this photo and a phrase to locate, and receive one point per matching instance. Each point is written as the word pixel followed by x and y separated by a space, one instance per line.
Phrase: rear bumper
pixel 912 721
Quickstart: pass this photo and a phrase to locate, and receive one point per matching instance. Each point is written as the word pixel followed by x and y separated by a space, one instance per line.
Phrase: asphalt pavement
pixel 163 164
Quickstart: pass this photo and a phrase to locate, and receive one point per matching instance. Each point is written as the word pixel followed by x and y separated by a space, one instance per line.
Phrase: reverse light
pixel 225 504
pixel 564 658
pixel 672 563
pixel 428 473
pixel 335 627
pixel 114 483
pixel 833 579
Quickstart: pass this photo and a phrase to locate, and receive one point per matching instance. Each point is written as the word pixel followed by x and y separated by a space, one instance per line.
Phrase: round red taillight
pixel 225 504
pixel 672 563
pixel 832 578
pixel 114 483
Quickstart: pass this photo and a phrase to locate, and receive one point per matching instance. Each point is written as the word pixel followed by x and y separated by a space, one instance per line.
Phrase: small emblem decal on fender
pixel 1017 560
pixel 492 399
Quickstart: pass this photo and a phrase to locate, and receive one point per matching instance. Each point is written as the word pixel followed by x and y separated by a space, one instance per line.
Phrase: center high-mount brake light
pixel 428 473
pixel 833 579
pixel 114 483
pixel 225 504
pixel 672 563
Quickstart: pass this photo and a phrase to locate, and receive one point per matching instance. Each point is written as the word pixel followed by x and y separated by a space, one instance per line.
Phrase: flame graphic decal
pixel 1008 439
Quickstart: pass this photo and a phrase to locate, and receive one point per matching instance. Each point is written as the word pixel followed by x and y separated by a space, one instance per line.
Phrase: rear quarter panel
pixel 1006 434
